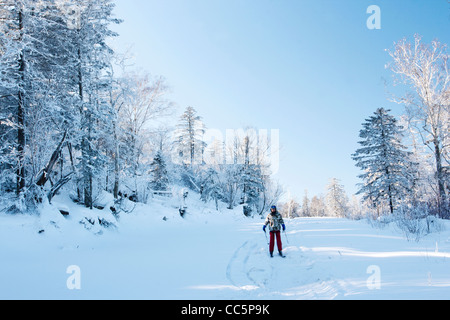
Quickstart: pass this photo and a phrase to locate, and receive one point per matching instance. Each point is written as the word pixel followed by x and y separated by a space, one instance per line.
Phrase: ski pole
pixel 267 240
pixel 285 234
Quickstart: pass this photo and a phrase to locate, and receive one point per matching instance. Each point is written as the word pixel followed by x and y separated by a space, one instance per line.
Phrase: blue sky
pixel 310 68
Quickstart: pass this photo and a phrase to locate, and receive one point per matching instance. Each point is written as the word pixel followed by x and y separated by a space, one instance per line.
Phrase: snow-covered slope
pixel 213 255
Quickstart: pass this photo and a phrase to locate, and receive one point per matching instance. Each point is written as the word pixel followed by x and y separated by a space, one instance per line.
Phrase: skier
pixel 275 222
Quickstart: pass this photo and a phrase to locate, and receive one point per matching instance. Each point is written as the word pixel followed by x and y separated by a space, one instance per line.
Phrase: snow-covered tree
pixel 92 58
pixel 388 172
pixel 425 68
pixel 356 211
pixel 292 209
pixel 12 75
pixel 336 199
pixel 18 26
pixel 231 175
pixel 52 84
pixel 306 210
pixel 142 99
pixel 317 206
pixel 211 187
pixel 189 141
pixel 34 96
pixel 159 177
pixel 252 187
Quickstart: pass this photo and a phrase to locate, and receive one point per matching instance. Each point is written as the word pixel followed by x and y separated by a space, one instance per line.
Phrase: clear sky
pixel 310 68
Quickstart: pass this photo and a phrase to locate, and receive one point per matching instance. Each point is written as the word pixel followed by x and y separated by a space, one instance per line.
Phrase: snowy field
pixel 210 255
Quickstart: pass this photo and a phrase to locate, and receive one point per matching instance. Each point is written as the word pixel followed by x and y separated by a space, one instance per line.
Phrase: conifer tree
pixel 189 137
pixel 92 59
pixel 159 175
pixel 388 172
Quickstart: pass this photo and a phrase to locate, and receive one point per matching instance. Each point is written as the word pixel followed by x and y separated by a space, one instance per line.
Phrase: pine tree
pixel 387 169
pixel 252 186
pixel 54 83
pixel 30 86
pixel 252 174
pixel 92 59
pixel 159 180
pixel 189 137
pixel 231 175
pixel 15 19
pixel 211 187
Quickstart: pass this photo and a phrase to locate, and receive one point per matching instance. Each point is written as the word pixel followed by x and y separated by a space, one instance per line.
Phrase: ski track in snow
pixel 243 273
pixel 255 274
pixel 314 269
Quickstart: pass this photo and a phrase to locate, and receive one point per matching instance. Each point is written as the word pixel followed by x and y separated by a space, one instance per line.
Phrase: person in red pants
pixel 275 222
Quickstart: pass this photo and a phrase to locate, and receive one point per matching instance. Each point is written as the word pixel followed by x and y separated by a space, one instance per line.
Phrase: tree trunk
pixel 21 117
pixel 440 176
pixel 44 174
pixel 116 163
pixel 58 186
pixel 391 202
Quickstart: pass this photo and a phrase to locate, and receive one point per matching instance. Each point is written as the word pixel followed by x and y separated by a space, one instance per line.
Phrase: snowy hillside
pixel 214 255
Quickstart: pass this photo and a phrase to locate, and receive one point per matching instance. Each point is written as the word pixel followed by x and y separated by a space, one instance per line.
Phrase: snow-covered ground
pixel 213 255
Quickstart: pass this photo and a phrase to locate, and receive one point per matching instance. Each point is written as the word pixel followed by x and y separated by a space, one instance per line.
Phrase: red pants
pixel 272 241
